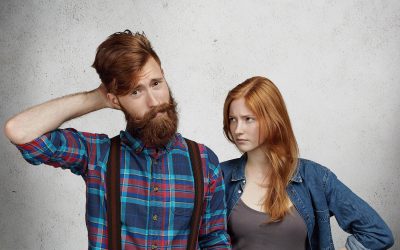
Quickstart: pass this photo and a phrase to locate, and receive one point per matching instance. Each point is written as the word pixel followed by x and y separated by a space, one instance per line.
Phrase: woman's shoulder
pixel 309 170
pixel 233 168
pixel 229 165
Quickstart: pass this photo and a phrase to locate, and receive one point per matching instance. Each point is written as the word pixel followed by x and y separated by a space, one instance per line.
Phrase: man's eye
pixel 231 119
pixel 135 92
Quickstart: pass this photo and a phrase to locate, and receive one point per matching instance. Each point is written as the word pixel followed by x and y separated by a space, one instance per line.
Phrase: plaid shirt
pixel 157 188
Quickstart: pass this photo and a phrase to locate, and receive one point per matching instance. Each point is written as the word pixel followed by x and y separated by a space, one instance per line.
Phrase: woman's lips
pixel 241 140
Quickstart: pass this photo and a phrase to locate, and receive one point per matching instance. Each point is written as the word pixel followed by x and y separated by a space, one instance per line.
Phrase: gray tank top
pixel 249 231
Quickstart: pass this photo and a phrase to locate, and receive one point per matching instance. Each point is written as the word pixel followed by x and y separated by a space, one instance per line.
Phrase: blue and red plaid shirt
pixel 157 188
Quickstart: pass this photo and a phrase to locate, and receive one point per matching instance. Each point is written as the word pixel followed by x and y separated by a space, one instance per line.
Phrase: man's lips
pixel 160 114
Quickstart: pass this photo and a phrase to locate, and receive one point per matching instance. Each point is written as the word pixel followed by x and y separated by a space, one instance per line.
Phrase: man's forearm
pixel 45 117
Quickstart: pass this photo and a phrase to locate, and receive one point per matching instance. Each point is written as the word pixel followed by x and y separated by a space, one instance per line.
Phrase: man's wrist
pixel 96 99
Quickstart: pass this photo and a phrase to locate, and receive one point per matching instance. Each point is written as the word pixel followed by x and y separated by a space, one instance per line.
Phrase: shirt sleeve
pixel 356 217
pixel 213 230
pixel 65 148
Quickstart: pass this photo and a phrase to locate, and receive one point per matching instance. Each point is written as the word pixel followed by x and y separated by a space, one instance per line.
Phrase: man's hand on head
pixel 102 93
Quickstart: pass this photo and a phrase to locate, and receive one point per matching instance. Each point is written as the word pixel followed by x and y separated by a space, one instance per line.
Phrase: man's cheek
pixel 139 114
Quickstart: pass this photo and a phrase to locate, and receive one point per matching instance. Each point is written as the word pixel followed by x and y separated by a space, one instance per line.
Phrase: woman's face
pixel 244 126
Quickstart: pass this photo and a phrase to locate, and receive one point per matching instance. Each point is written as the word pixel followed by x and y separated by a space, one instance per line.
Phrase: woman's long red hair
pixel 278 141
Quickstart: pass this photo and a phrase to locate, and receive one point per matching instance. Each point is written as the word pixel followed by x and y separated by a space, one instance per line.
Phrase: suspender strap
pixel 114 202
pixel 113 195
pixel 197 170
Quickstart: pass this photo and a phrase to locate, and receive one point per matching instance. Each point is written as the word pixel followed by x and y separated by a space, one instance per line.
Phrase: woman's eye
pixel 249 119
pixel 135 92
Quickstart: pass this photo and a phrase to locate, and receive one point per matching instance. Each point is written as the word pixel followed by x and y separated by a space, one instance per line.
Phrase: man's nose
pixel 152 100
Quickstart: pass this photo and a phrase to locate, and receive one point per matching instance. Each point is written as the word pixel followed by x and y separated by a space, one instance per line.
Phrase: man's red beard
pixel 153 130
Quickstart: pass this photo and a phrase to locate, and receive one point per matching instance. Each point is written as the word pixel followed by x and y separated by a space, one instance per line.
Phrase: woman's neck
pixel 258 165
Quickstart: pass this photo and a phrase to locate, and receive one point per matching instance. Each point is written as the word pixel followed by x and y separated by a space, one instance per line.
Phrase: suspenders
pixel 114 202
pixel 113 195
pixel 197 170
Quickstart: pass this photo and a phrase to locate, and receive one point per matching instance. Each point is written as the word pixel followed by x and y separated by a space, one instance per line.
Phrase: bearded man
pixel 156 179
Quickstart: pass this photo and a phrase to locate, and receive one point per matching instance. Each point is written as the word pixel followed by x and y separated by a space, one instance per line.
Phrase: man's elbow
pixel 13 133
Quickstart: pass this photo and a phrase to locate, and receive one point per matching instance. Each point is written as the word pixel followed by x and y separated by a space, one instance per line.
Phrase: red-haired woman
pixel 277 200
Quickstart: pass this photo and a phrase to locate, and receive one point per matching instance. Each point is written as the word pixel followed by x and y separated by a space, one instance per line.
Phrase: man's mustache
pixel 152 113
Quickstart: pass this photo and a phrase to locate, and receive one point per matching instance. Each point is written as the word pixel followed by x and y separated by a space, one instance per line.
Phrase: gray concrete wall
pixel 336 63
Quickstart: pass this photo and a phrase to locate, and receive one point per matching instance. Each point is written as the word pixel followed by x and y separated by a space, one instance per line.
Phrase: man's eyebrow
pixel 159 79
pixel 137 86
pixel 141 85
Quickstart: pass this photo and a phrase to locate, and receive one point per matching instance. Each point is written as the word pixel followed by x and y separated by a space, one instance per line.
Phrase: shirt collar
pixel 138 146
pixel 238 173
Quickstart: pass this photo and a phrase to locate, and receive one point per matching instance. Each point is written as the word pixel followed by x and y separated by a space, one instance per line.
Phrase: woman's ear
pixel 114 101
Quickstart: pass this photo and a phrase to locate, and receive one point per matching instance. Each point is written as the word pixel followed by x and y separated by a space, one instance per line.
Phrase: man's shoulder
pixel 205 151
pixel 100 137
pixel 210 158
pixel 96 144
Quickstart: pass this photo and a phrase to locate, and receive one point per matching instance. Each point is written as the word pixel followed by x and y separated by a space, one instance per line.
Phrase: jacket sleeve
pixel 356 217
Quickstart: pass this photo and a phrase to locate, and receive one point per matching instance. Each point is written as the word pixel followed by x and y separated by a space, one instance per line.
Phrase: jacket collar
pixel 296 176
pixel 238 173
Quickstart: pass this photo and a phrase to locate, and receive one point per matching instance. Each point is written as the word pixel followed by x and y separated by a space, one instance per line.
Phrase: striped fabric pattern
pixel 157 188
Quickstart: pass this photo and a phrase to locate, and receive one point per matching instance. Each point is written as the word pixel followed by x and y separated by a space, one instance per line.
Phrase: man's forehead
pixel 150 68
pixel 148 75
pixel 149 72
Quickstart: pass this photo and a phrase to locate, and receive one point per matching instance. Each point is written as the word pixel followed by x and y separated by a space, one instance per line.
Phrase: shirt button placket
pixel 154 217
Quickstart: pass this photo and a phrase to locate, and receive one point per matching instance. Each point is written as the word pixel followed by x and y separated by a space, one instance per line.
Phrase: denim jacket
pixel 317 195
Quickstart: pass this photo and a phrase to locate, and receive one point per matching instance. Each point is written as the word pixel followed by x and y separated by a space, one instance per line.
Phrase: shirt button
pixel 239 191
pixel 155 217
pixel 244 181
pixel 153 246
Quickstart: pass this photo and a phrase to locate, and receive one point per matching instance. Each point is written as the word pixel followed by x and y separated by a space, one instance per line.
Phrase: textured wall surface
pixel 336 63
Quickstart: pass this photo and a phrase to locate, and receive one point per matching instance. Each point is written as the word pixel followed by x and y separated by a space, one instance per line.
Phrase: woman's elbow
pixel 389 240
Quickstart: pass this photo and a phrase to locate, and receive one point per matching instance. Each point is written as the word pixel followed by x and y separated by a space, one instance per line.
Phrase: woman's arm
pixel 355 216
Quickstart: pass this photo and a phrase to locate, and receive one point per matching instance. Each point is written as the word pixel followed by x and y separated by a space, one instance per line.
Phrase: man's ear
pixel 114 101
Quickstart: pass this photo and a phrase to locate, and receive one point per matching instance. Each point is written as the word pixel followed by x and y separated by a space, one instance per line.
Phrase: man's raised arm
pixel 45 117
